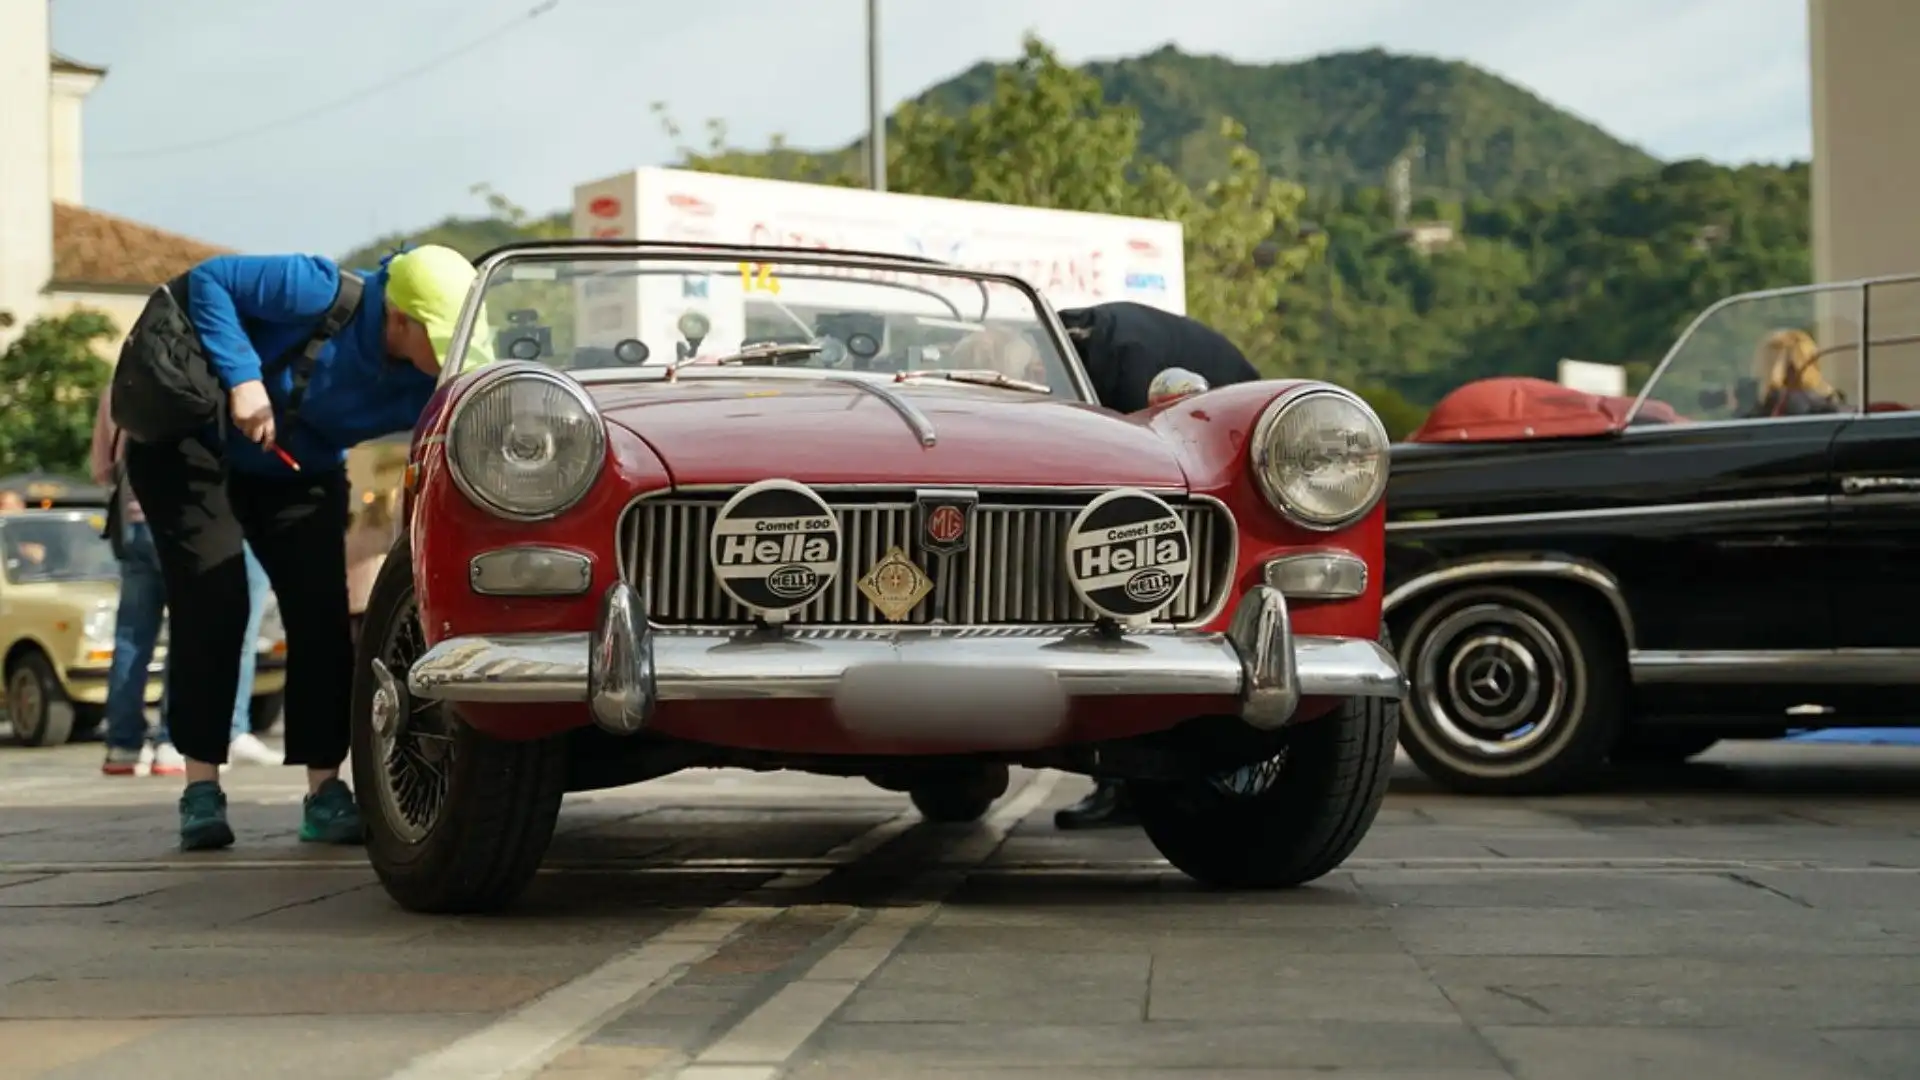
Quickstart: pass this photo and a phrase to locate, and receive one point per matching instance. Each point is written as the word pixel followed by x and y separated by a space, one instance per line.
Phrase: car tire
pixel 37 705
pixel 470 838
pixel 263 712
pixel 1283 822
pixel 1661 746
pixel 960 799
pixel 1512 690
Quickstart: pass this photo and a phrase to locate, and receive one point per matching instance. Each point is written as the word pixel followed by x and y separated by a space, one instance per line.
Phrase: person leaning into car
pixel 1123 346
pixel 276 480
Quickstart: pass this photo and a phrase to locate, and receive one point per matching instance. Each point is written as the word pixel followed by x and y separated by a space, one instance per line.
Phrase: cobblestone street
pixel 1756 916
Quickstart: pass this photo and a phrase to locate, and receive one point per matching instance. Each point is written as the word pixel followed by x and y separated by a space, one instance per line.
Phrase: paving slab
pixel 881 1050
pixel 1611 1053
pixel 1757 916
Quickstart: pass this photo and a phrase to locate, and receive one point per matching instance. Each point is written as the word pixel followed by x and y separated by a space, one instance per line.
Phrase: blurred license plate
pixel 1008 707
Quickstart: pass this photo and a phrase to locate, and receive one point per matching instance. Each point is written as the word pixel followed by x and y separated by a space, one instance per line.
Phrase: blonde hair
pixel 1789 360
pixel 996 348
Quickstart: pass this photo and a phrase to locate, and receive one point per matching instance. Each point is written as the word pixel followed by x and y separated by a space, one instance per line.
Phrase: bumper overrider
pixel 625 668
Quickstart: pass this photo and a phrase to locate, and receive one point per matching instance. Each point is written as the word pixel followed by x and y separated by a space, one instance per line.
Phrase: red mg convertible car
pixel 682 506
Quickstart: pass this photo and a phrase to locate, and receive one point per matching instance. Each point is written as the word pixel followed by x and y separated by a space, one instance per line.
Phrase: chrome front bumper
pixel 626 668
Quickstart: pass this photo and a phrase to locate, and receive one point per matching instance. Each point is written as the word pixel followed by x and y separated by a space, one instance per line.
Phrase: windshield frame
pixel 491 264
pixel 1859 347
pixel 78 517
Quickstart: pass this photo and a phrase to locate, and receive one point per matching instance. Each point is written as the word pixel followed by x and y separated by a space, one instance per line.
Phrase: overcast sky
pixel 563 97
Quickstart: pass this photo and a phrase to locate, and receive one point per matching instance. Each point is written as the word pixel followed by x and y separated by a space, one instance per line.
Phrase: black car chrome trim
pixel 1845 504
pixel 1776 666
pixel 1610 513
pixel 1565 568
pixel 1652 430
pixel 1879 485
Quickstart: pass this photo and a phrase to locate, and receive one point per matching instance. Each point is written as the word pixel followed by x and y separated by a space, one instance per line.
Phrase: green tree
pixel 777 162
pixel 50 383
pixel 551 227
pixel 1047 137
pixel 1566 243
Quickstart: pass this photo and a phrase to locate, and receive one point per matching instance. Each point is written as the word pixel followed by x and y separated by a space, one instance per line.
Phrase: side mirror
pixel 1174 384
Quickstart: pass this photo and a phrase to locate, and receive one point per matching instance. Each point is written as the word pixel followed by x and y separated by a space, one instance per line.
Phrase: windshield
pixel 1763 356
pixel 56 548
pixel 707 314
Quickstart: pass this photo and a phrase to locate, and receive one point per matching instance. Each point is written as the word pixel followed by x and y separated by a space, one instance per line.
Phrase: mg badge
pixel 946 521
pixel 895 586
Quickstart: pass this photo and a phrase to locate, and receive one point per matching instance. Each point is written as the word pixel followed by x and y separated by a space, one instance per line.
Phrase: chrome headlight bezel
pixel 490 381
pixel 1260 457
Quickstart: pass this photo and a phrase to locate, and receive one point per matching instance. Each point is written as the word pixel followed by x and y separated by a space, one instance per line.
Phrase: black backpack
pixel 165 388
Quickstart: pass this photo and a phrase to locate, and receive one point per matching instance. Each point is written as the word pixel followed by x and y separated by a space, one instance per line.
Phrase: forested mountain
pixel 1337 122
pixel 1554 239
pixel 1609 275
pixel 1333 124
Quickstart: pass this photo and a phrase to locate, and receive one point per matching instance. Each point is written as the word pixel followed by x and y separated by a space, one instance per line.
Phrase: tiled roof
pixel 93 248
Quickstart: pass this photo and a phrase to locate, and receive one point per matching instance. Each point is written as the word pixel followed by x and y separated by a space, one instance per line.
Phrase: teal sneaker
pixel 203 818
pixel 330 816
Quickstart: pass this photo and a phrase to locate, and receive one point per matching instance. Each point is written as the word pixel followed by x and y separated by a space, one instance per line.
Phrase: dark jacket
pixel 251 309
pixel 1123 345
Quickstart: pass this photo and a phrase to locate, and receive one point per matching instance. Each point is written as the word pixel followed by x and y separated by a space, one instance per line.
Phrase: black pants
pixel 201 514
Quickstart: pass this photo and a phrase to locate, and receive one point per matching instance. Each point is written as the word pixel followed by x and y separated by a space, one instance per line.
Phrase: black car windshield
pixel 1763 356
pixel 56 547
pixel 612 311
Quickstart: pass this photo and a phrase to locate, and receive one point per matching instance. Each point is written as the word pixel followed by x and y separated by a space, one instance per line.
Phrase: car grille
pixel 1013 574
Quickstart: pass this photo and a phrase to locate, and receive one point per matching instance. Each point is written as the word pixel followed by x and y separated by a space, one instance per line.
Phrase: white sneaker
pixel 128 762
pixel 167 761
pixel 249 750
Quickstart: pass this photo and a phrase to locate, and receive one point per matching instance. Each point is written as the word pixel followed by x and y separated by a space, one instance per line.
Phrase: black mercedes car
pixel 1733 553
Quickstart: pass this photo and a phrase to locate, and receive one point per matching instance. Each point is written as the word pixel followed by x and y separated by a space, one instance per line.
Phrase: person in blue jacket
pixel 278 482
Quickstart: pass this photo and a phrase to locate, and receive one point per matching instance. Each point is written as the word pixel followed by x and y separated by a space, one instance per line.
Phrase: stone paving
pixel 1757 916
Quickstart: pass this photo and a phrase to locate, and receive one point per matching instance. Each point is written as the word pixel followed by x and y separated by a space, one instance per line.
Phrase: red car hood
pixel 736 431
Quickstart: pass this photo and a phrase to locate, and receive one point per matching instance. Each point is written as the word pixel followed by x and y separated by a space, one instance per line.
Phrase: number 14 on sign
pixel 758 277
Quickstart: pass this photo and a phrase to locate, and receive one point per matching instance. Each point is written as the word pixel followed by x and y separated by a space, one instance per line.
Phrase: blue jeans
pixel 143 600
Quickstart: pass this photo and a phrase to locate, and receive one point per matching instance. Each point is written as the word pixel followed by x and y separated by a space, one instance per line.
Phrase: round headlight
pixel 1320 456
pixel 100 623
pixel 527 443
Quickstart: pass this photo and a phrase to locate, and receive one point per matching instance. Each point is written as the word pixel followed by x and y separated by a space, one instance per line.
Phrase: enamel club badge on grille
pixel 775 547
pixel 895 586
pixel 1127 555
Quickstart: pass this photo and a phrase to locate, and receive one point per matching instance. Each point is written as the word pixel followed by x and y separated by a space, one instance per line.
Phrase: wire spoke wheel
pixel 417 753
pixel 1251 781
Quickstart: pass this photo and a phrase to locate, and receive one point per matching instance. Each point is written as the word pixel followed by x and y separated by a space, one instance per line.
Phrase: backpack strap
pixel 346 301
